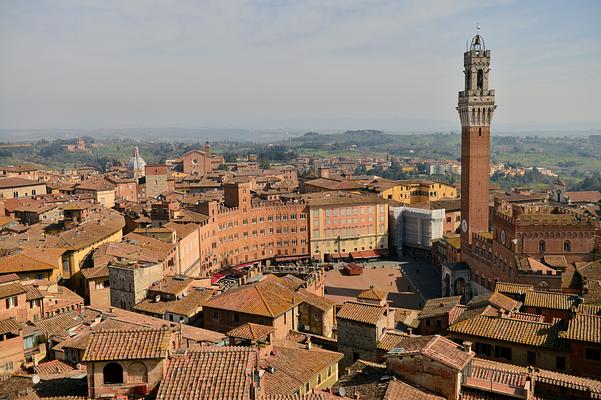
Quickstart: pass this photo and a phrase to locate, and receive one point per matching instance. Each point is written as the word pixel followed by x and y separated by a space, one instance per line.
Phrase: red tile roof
pixel 361 312
pixel 129 344
pixel 209 373
pixel 251 331
pixel 398 390
pixel 293 366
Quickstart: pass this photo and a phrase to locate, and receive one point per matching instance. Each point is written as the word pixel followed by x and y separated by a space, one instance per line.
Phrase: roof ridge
pixel 263 300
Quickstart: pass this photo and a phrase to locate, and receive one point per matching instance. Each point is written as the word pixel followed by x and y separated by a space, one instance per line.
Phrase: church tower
pixel 476 107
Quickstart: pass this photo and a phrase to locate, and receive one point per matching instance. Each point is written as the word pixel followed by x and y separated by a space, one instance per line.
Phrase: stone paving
pixel 398 278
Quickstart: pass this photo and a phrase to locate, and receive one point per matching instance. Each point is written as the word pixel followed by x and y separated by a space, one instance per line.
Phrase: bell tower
pixel 476 106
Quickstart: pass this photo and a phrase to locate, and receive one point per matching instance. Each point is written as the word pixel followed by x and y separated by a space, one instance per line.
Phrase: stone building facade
pixel 129 283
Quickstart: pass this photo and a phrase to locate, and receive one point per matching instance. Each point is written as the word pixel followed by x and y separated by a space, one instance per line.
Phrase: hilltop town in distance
pixel 352 265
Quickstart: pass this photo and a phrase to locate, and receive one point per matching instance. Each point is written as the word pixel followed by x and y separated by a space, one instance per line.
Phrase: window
pixel 216 315
pixel 483 349
pixel 592 354
pixel 112 373
pixel 503 352
pixel 427 322
pixel 531 358
pixel 541 246
pixel 236 317
pixel 307 387
pixel 319 379
pixel 438 323
pixel 560 363
pixel 12 302
pixel 567 246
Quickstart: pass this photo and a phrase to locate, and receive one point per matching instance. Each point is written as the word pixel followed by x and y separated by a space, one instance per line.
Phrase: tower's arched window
pixel 480 79
pixel 541 246
pixel 567 246
pixel 112 373
pixel 468 80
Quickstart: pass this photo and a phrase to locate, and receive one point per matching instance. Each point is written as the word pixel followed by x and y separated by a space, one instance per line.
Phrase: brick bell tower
pixel 476 107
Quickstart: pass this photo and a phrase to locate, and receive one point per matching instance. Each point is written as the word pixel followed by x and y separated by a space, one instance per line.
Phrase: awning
pixel 246 265
pixel 368 253
pixel 216 278
pixel 339 255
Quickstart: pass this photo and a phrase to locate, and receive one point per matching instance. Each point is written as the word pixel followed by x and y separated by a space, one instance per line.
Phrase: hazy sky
pixel 393 65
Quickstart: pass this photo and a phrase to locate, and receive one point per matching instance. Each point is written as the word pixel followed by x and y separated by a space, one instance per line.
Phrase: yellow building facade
pixel 412 192
pixel 343 224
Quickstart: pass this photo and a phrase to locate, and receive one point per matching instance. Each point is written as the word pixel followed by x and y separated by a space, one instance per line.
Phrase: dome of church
pixel 136 163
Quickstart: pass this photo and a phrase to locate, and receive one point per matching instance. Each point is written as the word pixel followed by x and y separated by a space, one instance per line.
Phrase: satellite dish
pixel 341 391
pixel 35 379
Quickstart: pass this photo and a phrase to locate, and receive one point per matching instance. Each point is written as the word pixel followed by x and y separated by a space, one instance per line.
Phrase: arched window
pixel 137 373
pixel 567 246
pixel 112 373
pixel 480 79
pixel 541 246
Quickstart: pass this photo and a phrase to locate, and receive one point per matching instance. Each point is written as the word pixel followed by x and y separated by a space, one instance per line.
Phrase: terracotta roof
pixel 188 305
pixel 496 299
pixel 293 366
pixel 53 367
pixel 21 262
pixel 266 298
pixel 372 293
pixel 210 373
pixel 96 185
pixel 361 312
pixel 11 289
pixel 81 340
pixel 320 302
pixel 172 285
pixel 341 198
pixel 556 261
pixel 436 348
pixel 589 309
pixel 591 196
pixel 128 344
pixel 511 330
pixel 9 325
pixel 331 184
pixel 398 390
pixel 392 339
pixel 100 271
pixel 504 372
pixel 513 288
pixel 201 335
pixel 9 278
pixel 182 230
pixel 439 306
pixel 6 183
pixel 251 331
pixel 556 301
pixel 584 328
pixel 60 324
pixel 32 292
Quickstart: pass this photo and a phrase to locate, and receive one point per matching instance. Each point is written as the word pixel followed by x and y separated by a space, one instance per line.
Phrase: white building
pixel 414 227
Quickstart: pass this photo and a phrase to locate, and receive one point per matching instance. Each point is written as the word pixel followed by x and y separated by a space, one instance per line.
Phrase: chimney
pixel 324 172
pixel 309 344
pixel 467 347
